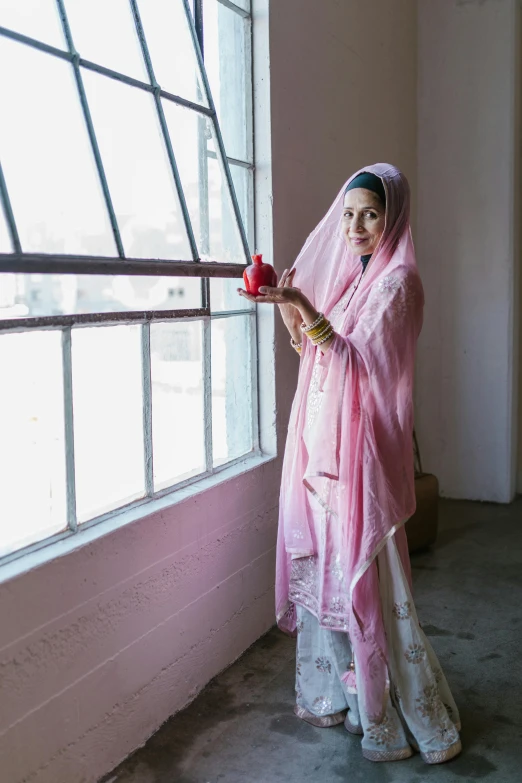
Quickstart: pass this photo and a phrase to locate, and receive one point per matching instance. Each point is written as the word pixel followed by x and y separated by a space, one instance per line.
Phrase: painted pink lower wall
pixel 100 646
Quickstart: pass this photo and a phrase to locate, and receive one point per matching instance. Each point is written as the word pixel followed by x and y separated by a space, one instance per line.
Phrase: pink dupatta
pixel 361 443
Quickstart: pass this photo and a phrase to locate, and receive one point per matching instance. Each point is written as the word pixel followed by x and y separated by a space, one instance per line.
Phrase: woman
pixel 343 571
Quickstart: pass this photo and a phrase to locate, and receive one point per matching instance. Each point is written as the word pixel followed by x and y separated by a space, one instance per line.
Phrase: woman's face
pixel 363 220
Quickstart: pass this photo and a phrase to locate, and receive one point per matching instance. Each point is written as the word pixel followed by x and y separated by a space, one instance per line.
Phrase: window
pixel 126 221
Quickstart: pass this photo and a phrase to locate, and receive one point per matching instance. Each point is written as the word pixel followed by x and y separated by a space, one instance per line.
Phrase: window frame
pixel 20 261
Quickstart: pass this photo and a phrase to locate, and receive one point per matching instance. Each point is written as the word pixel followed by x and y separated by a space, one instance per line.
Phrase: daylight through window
pixel 126 220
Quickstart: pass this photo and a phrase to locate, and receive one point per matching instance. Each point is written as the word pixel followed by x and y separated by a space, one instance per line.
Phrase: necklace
pixel 356 286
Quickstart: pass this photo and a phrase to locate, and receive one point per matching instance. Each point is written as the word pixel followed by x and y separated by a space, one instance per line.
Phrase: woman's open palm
pixel 284 295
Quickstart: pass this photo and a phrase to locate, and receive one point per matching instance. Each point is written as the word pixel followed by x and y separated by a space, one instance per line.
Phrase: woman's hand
pixel 288 298
pixel 295 307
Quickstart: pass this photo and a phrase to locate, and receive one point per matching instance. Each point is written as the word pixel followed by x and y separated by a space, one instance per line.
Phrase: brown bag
pixel 422 527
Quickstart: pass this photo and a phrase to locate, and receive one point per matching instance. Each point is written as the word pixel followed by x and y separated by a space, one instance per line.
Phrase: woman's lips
pixel 357 240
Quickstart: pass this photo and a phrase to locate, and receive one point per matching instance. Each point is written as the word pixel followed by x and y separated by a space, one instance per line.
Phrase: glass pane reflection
pixel 35 18
pixel 206 193
pixel 232 434
pixel 227 62
pixel 104 32
pixel 177 401
pixel 32 295
pixel 171 49
pixel 108 418
pixel 32 445
pixel 138 171
pixel 47 159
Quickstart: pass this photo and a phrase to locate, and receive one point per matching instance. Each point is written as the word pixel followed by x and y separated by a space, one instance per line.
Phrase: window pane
pixel 224 295
pixel 231 388
pixel 32 449
pixel 104 32
pixel 243 180
pixel 208 197
pixel 227 62
pixel 48 163
pixel 187 132
pixel 177 402
pixel 36 18
pixel 8 296
pixel 224 232
pixel 32 295
pixel 137 168
pixel 171 48
pixel 5 239
pixel 108 418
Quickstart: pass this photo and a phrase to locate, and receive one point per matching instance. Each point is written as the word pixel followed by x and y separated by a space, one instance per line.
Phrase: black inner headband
pixel 368 181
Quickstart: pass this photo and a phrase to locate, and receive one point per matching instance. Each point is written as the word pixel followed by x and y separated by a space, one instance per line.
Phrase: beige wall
pixel 99 646
pixel 337 104
pixel 335 108
pixel 467 144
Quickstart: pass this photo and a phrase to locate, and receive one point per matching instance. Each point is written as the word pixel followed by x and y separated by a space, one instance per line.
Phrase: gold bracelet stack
pixel 320 331
pixel 297 346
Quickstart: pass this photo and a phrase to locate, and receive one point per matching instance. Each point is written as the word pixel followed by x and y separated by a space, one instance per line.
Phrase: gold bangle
pixel 320 332
pixel 306 329
pixel 318 329
pixel 325 338
pixel 296 346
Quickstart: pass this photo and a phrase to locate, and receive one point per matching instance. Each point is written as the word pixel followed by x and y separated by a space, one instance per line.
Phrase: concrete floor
pixel 468 594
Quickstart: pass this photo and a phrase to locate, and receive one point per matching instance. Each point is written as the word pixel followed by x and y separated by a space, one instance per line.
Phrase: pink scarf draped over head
pixel 361 441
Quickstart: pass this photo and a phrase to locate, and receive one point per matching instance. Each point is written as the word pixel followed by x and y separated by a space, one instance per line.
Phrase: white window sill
pixel 46 553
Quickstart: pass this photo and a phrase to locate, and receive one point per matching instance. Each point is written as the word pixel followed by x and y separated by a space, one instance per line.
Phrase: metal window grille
pixel 20 260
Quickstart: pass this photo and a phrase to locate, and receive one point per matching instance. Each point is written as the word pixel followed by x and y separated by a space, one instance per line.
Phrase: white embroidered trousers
pixel 420 714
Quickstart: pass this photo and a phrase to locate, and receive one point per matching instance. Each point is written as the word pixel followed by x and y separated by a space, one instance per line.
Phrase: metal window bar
pixel 90 128
pixel 236 8
pixel 205 246
pixel 106 265
pixel 8 212
pixel 14 262
pixel 223 162
pixel 84 320
pixel 50 322
pixel 232 161
pixel 70 471
pixel 101 69
pixel 256 413
pixel 164 130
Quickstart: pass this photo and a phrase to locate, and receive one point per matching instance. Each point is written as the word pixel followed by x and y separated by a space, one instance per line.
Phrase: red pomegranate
pixel 259 274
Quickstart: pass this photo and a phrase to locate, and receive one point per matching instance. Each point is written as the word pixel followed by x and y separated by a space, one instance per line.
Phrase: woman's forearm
pixel 295 333
pixel 308 312
pixel 292 323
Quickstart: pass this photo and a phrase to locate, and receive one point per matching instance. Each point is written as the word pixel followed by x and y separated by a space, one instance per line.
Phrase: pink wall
pixel 99 646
